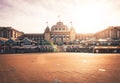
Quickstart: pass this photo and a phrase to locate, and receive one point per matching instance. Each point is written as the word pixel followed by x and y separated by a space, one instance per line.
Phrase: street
pixel 60 68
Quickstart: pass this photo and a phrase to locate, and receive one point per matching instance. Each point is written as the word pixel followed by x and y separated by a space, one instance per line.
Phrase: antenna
pixel 47 23
pixel 71 24
pixel 59 18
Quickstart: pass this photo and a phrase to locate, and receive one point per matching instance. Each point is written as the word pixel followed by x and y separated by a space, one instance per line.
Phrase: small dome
pixel 60 23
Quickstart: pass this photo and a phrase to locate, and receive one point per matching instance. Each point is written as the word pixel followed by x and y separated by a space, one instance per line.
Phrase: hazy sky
pixel 30 16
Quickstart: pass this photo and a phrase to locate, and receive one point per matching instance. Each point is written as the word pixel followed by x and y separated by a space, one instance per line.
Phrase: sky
pixel 87 16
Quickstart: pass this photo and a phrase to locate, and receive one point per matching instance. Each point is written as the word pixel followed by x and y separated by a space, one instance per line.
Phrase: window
pixel 55 28
pixel 52 29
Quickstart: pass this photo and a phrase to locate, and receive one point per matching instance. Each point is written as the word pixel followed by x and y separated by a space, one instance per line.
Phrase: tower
pixel 47 33
pixel 72 32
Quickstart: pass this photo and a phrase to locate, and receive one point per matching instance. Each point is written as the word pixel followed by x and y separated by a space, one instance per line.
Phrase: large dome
pixel 59 27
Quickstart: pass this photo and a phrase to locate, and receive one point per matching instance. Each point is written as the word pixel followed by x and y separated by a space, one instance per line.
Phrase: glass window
pixel 55 28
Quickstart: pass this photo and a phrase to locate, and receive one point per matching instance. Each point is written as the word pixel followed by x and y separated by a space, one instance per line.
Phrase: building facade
pixel 112 32
pixel 34 37
pixel 59 33
pixel 80 36
pixel 9 32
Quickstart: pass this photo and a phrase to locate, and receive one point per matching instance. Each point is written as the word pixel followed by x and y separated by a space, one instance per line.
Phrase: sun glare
pixel 88 18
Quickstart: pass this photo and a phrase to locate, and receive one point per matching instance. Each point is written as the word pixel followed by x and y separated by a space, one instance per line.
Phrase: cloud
pixel 4 4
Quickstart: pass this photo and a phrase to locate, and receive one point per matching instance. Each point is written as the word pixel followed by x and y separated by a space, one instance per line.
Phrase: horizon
pixel 86 16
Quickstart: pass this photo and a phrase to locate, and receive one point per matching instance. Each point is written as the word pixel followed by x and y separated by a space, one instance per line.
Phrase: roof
pixel 10 41
pixel 4 39
pixel 27 41
pixel 1 42
pixel 11 29
pixel 107 47
pixel 109 28
pixel 47 30
pixel 72 29
pixel 33 34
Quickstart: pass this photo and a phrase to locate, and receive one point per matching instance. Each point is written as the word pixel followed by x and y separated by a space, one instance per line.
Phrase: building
pixel 34 37
pixel 59 33
pixel 9 32
pixel 80 36
pixel 59 37
pixel 112 32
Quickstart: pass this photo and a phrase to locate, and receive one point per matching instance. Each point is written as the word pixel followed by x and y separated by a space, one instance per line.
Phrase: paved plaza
pixel 60 68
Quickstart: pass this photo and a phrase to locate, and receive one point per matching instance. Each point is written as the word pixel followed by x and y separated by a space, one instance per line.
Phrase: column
pixel 118 33
pixel 110 33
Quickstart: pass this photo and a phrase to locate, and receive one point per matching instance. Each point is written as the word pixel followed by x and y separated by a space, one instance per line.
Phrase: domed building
pixel 59 33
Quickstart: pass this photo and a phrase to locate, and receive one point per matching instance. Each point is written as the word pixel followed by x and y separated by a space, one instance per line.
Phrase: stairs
pixel 59 48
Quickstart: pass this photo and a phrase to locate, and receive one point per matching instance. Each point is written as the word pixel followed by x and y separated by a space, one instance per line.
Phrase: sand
pixel 60 68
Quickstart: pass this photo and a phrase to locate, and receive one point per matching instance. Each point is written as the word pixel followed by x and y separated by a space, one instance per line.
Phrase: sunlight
pixel 89 17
